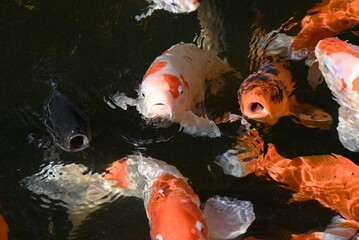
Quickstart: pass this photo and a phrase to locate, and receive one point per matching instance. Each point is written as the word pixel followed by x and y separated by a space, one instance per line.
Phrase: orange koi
pixel 173 89
pixel 339 63
pixel 332 180
pixel 267 95
pixel 174 6
pixel 327 19
pixel 4 229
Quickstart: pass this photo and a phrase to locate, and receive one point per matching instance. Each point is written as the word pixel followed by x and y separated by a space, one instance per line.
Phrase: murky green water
pixel 97 48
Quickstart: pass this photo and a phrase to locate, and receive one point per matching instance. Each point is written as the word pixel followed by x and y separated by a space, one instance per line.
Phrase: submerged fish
pixel 339 63
pixel 327 19
pixel 172 207
pixel 4 228
pixel 174 6
pixel 267 95
pixel 173 89
pixel 332 180
pixel 67 124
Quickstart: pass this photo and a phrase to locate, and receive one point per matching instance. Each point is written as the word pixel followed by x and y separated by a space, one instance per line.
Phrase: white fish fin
pixel 230 164
pixel 148 12
pixel 277 43
pixel 74 188
pixel 227 218
pixel 199 126
pixel 121 100
pixel 348 127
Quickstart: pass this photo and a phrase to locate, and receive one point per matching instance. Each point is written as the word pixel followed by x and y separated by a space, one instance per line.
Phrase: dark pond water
pixel 93 49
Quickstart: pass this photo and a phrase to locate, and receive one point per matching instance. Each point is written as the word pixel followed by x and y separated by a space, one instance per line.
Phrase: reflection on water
pixel 102 50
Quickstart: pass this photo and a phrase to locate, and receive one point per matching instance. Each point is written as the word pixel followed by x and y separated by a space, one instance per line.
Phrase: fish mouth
pixel 255 110
pixel 77 143
pixel 160 110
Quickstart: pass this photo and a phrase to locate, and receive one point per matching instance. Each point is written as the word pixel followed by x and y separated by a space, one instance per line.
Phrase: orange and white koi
pixel 339 63
pixel 174 6
pixel 172 207
pixel 267 95
pixel 173 89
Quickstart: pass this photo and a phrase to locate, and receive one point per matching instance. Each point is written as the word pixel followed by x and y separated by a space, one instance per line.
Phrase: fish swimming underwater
pixel 267 95
pixel 172 207
pixel 4 229
pixel 173 89
pixel 339 63
pixel 174 6
pixel 332 180
pixel 327 19
pixel 67 124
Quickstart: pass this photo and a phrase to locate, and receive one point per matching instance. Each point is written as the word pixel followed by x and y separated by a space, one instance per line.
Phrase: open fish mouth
pixel 255 107
pixel 77 142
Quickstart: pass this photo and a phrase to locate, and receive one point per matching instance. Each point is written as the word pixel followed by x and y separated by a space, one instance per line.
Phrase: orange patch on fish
pixel 118 172
pixel 173 83
pixel 356 84
pixel 157 66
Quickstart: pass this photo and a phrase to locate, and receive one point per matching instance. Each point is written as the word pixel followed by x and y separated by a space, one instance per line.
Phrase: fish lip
pixel 76 143
pixel 160 110
pixel 255 109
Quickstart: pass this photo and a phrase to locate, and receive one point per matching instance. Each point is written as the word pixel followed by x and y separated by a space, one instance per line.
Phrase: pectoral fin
pixel 311 116
pixel 198 126
pixel 121 100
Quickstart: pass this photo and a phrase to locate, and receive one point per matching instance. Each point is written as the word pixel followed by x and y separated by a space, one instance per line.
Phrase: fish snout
pixel 78 142
pixel 161 110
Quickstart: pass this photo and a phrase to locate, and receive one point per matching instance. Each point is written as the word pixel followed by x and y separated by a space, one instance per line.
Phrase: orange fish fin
pixel 228 117
pixel 310 116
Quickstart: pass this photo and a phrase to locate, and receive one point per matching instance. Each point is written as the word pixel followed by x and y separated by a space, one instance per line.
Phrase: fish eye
pixel 180 89
pixel 143 93
pixel 199 226
pixel 159 237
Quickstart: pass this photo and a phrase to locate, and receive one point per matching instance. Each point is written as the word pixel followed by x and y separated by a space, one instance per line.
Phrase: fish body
pixel 174 6
pixel 173 88
pixel 267 95
pixel 332 180
pixel 327 19
pixel 66 123
pixel 339 63
pixel 172 206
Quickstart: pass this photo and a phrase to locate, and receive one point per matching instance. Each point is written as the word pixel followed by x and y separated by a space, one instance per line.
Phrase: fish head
pixel 162 95
pixel 174 213
pixel 339 63
pixel 263 98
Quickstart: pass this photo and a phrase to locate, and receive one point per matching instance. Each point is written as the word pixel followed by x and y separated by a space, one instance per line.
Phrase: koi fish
pixel 174 6
pixel 339 63
pixel 267 95
pixel 332 180
pixel 4 229
pixel 173 89
pixel 67 124
pixel 327 19
pixel 172 207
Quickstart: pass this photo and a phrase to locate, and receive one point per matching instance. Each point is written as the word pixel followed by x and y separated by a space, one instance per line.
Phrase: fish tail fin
pixel 310 116
pixel 335 230
pixel 240 161
pixel 226 217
